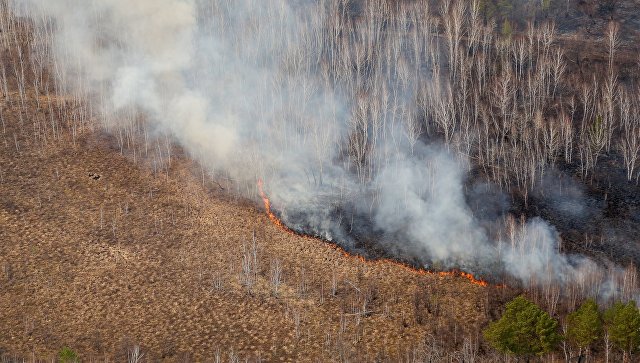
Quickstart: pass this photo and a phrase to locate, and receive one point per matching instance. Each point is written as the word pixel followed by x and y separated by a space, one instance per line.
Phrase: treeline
pixel 526 331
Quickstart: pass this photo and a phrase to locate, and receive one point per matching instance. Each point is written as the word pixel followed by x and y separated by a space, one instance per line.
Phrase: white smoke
pixel 258 88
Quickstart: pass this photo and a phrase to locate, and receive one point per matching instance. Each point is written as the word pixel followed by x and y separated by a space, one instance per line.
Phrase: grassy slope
pixel 132 258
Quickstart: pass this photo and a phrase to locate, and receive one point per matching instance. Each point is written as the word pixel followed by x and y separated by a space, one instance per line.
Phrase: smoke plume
pixel 331 104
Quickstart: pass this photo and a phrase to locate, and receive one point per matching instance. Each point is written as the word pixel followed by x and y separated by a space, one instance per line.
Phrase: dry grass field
pixel 100 254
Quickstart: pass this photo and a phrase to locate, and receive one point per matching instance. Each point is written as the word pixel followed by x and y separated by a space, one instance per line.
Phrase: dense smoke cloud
pixel 274 89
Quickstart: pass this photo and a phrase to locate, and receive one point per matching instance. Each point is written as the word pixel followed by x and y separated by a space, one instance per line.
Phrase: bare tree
pixel 612 37
pixel 135 355
pixel 276 275
pixel 249 274
pixel 630 142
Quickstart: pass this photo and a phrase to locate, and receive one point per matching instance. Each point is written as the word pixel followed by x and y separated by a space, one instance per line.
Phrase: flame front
pixel 420 271
pixel 267 207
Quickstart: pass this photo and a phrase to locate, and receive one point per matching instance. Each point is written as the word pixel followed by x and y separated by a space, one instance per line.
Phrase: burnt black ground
pixel 597 215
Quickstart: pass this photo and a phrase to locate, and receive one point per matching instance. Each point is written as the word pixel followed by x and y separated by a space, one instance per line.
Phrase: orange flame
pixel 420 271
pixel 267 207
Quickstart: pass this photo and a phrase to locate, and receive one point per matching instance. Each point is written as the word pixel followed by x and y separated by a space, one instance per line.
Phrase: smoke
pixel 422 199
pixel 331 110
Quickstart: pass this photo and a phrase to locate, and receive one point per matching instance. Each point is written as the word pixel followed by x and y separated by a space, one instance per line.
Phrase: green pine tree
pixel 584 326
pixel 623 325
pixel 506 30
pixel 523 330
pixel 66 355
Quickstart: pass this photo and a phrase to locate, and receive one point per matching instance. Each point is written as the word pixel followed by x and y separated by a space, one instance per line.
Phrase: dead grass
pixel 98 264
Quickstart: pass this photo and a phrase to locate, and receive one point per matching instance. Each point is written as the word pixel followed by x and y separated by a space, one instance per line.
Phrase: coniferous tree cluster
pixel 525 330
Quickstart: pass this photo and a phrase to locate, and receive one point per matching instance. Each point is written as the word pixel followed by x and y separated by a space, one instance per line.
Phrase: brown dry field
pixel 155 260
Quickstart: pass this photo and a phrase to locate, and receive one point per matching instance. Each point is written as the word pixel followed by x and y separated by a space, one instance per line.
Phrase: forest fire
pixel 420 271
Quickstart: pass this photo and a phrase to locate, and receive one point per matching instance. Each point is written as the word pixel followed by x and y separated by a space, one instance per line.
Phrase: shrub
pixel 67 355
